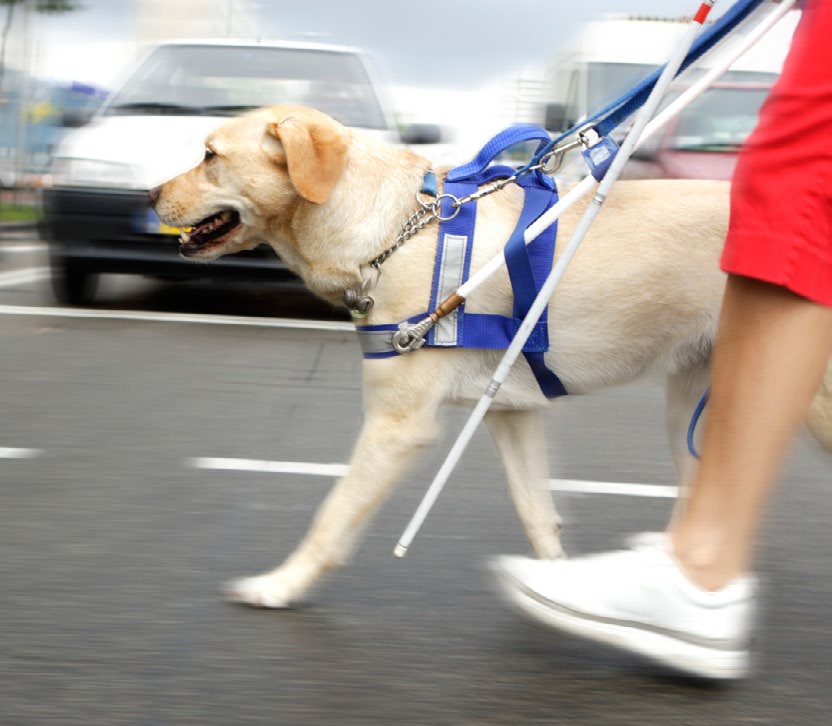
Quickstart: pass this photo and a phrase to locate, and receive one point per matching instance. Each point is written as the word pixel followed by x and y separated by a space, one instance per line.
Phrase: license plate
pixel 151 224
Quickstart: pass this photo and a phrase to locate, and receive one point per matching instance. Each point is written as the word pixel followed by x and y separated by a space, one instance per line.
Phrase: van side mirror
pixel 420 133
pixel 555 117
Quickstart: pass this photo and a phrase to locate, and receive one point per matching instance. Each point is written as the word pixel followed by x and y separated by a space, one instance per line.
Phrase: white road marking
pixel 13 248
pixel 140 315
pixel 10 453
pixel 577 486
pixel 23 277
pixel 270 467
pixel 333 470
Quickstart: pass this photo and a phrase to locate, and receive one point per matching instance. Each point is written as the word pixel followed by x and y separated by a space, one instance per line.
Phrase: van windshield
pixel 721 119
pixel 607 81
pixel 224 80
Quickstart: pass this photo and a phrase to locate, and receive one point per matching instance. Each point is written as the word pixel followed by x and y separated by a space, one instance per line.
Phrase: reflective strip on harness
pixel 451 271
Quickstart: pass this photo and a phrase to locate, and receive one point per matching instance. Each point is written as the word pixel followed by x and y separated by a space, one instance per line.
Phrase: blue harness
pixel 528 266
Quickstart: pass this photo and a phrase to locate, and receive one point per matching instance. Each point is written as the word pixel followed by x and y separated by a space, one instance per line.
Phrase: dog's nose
pixel 153 194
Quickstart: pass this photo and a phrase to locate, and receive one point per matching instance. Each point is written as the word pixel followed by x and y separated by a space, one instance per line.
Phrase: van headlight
pixel 66 172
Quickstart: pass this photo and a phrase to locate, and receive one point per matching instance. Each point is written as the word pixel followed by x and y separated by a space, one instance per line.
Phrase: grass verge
pixel 18 213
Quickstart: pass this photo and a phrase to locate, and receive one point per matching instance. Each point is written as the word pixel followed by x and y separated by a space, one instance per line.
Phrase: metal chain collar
pixel 429 211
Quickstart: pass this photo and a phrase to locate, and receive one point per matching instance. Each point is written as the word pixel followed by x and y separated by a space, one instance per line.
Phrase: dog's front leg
pixel 386 446
pixel 520 439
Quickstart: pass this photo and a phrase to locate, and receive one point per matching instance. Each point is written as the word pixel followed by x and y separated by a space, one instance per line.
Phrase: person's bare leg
pixel 770 355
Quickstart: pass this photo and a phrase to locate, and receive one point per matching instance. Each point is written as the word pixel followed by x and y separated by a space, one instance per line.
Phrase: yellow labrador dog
pixel 642 294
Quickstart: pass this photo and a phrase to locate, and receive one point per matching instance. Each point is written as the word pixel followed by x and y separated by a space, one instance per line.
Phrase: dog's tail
pixel 819 418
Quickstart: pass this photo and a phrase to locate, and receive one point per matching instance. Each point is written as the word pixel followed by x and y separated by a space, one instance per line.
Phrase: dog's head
pixel 257 169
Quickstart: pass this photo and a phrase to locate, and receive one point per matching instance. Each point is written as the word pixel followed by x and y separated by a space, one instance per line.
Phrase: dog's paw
pixel 263 591
pixel 546 544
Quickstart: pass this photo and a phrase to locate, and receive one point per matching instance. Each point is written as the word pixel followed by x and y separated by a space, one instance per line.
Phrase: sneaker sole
pixel 661 648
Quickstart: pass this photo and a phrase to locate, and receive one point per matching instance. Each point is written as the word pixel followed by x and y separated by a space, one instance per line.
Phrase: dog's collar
pixel 429 184
pixel 420 218
pixel 357 299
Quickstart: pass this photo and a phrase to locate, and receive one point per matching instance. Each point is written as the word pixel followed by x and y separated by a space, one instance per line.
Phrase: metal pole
pixel 542 299
pixel 21 141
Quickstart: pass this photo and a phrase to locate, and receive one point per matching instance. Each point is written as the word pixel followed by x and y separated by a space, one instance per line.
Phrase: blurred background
pixel 169 425
pixel 77 76
pixel 471 67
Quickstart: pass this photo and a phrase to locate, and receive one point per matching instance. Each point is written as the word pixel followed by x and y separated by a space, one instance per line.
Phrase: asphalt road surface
pixel 115 538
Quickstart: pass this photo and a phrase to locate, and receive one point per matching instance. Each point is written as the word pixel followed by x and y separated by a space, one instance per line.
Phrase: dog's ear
pixel 314 153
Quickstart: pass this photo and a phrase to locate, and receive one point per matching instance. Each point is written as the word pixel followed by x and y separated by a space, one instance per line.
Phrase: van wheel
pixel 72 282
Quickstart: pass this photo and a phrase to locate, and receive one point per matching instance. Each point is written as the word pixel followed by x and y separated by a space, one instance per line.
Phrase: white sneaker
pixel 639 600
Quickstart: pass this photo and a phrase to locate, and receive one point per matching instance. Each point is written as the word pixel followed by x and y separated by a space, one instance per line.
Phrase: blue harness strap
pixel 452 268
pixel 528 266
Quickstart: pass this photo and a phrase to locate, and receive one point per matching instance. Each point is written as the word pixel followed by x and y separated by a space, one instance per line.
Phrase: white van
pixel 95 210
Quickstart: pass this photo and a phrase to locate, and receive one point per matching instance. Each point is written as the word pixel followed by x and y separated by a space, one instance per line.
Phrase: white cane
pixel 542 300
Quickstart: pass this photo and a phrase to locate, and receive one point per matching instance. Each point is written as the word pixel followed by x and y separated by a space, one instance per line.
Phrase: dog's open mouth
pixel 208 233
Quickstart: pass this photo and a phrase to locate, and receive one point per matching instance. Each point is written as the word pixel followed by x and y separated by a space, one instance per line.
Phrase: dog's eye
pixel 209 155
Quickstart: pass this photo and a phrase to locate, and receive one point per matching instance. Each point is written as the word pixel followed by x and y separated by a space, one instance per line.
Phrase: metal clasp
pixel 455 205
pixel 411 337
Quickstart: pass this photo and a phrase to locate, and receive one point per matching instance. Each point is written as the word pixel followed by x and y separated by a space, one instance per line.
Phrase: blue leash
pixel 694 421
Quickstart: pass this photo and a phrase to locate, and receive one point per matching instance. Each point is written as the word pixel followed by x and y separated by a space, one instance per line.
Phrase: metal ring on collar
pixel 456 207
pixel 427 202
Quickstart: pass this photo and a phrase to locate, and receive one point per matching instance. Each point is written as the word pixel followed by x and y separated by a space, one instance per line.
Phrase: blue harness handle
pixel 496 145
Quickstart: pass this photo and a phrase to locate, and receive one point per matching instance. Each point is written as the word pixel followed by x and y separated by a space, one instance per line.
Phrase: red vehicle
pixel 703 140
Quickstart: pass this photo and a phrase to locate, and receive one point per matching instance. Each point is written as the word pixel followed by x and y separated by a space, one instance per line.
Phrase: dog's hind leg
pixel 389 439
pixel 685 388
pixel 521 442
pixel 819 417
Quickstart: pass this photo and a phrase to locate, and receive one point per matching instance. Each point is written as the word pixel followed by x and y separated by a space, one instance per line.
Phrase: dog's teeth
pixel 185 237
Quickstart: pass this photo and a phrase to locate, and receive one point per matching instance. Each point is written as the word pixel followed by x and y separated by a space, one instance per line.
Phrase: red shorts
pixel 781 195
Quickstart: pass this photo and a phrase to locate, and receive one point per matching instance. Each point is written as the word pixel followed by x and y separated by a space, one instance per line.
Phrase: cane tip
pixel 400 550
